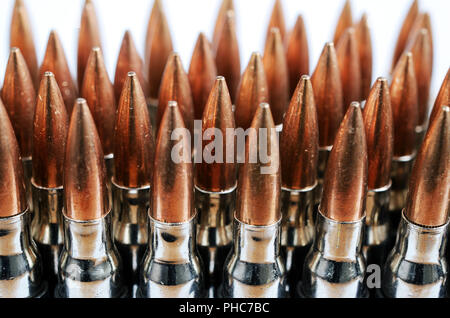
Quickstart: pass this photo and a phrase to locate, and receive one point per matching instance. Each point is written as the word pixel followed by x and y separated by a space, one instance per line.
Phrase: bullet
pixel 422 235
pixel 421 50
pixel 225 8
pixel 348 60
pixel 202 74
pixel 19 97
pixel 89 265
pixel 327 87
pixel 21 37
pixel 129 61
pixel 89 37
pixel 55 62
pixel 345 21
pixel 364 39
pixel 21 270
pixel 405 32
pixel 228 60
pixel 297 54
pixel 299 148
pixel 255 268
pixel 277 75
pixel 98 91
pixel 379 129
pixel 277 21
pixel 158 48
pixel 171 267
pixel 423 21
pixel 49 141
pixel 335 266
pixel 443 97
pixel 134 150
pixel 406 117
pixel 252 91
pixel 175 87
pixel 215 185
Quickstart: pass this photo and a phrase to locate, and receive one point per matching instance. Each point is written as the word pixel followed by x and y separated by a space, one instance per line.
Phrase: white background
pixel 189 17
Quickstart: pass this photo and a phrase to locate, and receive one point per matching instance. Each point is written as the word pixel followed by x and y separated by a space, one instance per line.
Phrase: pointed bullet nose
pixel 252 91
pixel 49 135
pixel 345 183
pixel 86 194
pixel 380 134
pixel 55 61
pixel 277 21
pixel 364 40
pixel 297 54
pixel 260 175
pixel 218 175
pixel 299 145
pixel 175 87
pixel 429 189
pixel 13 199
pixel 226 7
pixel 326 82
pixel 172 195
pixel 134 145
pixel 19 98
pixel 202 74
pixel 443 97
pixel 277 75
pixel 98 91
pixel 345 21
pixel 405 107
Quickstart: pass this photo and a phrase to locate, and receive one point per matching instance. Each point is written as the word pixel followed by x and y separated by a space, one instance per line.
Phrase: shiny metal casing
pixel 417 267
pixel 335 266
pixel 255 268
pixel 171 266
pixel 20 262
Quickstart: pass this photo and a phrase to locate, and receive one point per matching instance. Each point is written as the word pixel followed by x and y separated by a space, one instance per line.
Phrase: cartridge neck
pixel 338 241
pixel 15 235
pixel 377 221
pixel 131 206
pixel 88 239
pixel 421 245
pixel 215 212
pixel 257 244
pixel 172 243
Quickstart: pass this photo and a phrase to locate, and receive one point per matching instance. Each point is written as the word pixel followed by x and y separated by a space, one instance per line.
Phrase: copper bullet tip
pixel 19 98
pixel 228 58
pixel 134 145
pixel 128 60
pixel 348 60
pixel 421 49
pixel 326 82
pixel 13 199
pixel 219 175
pixel 429 189
pixel 175 87
pixel 443 97
pixel 299 145
pixel 380 134
pixel 21 36
pixel 345 183
pixel 252 91
pixel 49 134
pixel 364 40
pixel 86 195
pixel 277 75
pixel 158 47
pixel 172 195
pixel 405 107
pixel 226 7
pixel 297 54
pixel 98 91
pixel 202 74
pixel 345 21
pixel 277 21
pixel 88 38
pixel 55 61
pixel 259 186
